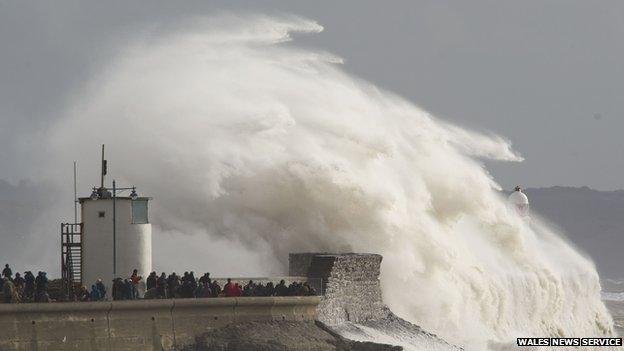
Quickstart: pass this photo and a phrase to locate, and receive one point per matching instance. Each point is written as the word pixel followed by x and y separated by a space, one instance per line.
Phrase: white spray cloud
pixel 241 136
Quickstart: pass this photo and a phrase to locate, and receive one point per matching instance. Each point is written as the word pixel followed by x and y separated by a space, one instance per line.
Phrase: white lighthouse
pixel 518 203
pixel 116 233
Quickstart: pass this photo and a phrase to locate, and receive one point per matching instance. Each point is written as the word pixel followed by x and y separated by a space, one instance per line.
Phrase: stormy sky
pixel 544 74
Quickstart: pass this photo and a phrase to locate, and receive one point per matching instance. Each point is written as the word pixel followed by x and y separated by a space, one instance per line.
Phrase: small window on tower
pixel 139 212
pixel 101 214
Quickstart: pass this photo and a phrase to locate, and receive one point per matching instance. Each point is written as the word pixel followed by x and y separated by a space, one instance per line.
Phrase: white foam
pixel 409 340
pixel 613 296
pixel 239 135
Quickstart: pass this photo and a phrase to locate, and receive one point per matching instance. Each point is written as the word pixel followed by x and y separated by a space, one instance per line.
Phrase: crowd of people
pixel 31 288
pixel 97 292
pixel 188 286
pixel 26 288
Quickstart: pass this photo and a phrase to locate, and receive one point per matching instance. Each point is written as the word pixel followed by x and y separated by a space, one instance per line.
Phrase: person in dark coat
pixel 308 290
pixel 101 288
pixel 192 282
pixel 161 285
pixel 206 290
pixel 95 293
pixel 281 289
pixel 173 284
pixel 185 286
pixel 41 282
pixel 205 279
pixel 258 290
pixel 269 290
pixel 215 289
pixel 248 290
pixel 83 294
pixel 118 289
pixel 29 286
pixel 150 282
pixel 41 288
pixel 127 289
pixel 295 289
pixel 7 272
pixel 19 284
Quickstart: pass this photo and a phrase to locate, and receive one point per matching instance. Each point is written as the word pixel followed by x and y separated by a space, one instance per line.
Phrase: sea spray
pixel 244 136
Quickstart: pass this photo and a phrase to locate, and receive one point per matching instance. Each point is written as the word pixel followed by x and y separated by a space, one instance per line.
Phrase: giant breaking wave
pixel 240 134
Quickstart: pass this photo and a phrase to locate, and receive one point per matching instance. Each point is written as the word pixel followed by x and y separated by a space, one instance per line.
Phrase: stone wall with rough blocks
pixel 137 325
pixel 350 284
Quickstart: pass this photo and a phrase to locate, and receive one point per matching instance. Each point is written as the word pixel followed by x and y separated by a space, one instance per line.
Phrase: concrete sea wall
pixel 341 319
pixel 137 325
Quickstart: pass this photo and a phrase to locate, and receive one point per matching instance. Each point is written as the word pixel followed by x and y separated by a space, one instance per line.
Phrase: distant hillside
pixel 593 220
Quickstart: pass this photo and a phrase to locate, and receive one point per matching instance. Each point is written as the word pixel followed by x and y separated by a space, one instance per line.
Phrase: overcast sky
pixel 545 74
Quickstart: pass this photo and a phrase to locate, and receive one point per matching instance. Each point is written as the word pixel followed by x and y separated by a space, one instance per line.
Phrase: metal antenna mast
pixel 75 196
pixel 103 168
